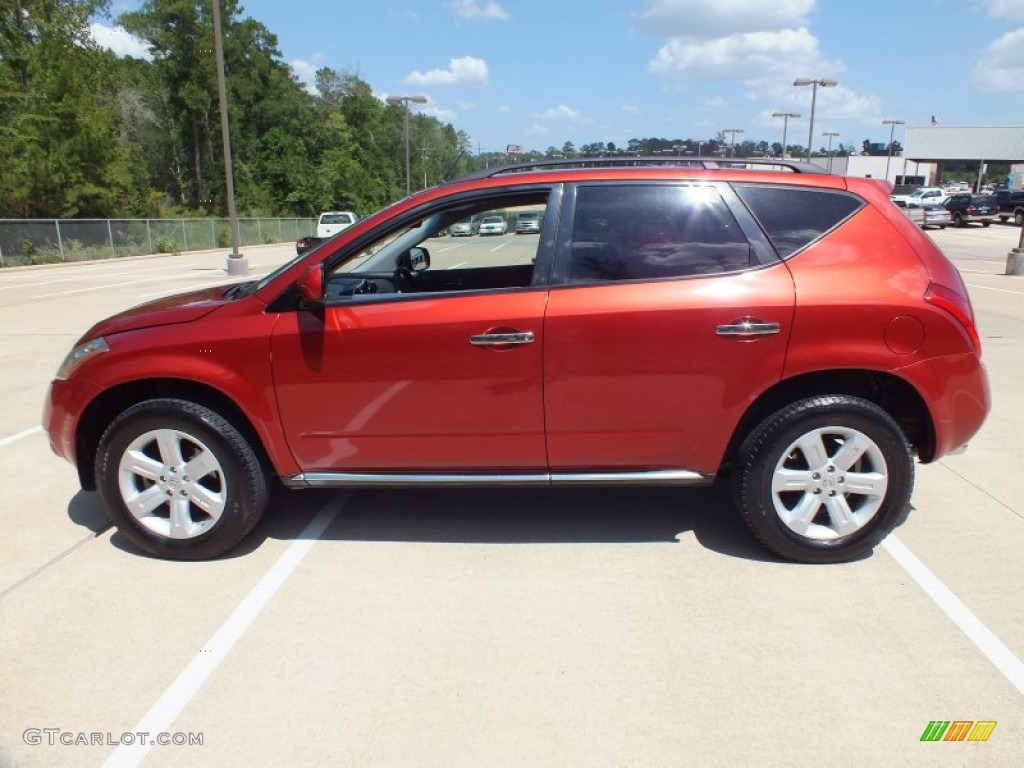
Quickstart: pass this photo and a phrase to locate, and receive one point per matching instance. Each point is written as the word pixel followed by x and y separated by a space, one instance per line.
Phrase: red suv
pixel 669 324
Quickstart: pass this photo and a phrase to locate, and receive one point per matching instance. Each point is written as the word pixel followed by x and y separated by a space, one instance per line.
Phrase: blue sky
pixel 541 73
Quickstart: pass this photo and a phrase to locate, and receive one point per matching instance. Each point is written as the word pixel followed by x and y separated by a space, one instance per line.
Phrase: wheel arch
pixel 102 410
pixel 891 393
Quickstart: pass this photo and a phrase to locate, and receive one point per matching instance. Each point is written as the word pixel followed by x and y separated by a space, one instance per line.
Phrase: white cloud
pixel 471 9
pixel 746 56
pixel 707 19
pixel 630 109
pixel 713 102
pixel 503 109
pixel 561 113
pixel 120 41
pixel 1010 9
pixel 1001 66
pixel 467 71
pixel 306 72
pixel 441 113
pixel 465 106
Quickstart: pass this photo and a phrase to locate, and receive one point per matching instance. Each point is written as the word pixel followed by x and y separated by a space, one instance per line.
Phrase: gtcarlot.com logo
pixel 958 730
pixel 59 737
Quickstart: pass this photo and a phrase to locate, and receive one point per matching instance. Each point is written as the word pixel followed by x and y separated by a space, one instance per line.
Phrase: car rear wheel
pixel 825 479
pixel 985 223
pixel 178 480
pixel 1018 218
pixel 958 220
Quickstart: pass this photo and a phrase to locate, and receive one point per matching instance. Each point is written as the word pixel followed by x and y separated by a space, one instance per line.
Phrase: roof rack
pixel 706 163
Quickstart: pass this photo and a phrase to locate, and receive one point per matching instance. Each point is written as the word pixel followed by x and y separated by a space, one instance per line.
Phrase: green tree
pixel 59 119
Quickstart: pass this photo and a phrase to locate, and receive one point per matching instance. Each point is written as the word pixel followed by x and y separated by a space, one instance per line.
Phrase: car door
pixel 443 376
pixel 670 314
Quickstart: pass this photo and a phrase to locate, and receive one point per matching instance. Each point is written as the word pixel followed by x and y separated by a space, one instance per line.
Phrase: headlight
pixel 80 354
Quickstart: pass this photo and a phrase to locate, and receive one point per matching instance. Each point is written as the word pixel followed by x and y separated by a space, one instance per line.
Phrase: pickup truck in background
pixel 328 225
pixel 922 195
pixel 1010 205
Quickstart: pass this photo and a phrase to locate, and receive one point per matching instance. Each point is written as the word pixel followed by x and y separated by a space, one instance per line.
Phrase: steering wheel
pixel 404 280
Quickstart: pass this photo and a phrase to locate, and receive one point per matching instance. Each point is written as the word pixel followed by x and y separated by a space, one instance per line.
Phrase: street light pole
pixel 830 134
pixel 892 130
pixel 824 83
pixel 405 101
pixel 785 125
pixel 237 264
pixel 732 142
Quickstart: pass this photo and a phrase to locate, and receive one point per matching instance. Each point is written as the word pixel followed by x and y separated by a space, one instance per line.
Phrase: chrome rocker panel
pixel 431 479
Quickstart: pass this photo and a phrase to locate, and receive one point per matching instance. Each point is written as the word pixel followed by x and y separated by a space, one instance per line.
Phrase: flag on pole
pixel 934 121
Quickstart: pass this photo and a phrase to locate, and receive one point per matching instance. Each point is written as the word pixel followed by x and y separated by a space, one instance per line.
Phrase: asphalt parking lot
pixel 502 628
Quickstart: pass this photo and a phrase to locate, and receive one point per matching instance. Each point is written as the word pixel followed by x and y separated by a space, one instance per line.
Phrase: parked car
pixel 913 211
pixel 1010 205
pixel 493 225
pixel 922 195
pixel 462 228
pixel 670 326
pixel 328 225
pixel 935 216
pixel 967 208
pixel 528 221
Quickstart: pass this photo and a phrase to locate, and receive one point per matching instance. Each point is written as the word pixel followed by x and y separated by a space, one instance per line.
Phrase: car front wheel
pixel 825 479
pixel 178 480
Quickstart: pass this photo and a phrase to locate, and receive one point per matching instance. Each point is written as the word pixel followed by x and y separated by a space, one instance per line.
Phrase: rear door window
pixel 795 217
pixel 646 232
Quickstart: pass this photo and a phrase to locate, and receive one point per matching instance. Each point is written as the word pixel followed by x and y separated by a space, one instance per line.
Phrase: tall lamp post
pixel 892 130
pixel 785 124
pixel 732 142
pixel 830 135
pixel 405 100
pixel 237 264
pixel 824 83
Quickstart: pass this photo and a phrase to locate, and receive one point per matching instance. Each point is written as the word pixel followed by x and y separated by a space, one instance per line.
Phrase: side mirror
pixel 311 285
pixel 419 259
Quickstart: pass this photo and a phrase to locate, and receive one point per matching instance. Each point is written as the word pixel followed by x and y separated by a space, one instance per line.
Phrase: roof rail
pixel 707 163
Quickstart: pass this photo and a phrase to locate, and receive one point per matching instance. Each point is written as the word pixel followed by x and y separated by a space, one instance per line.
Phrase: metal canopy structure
pixel 929 144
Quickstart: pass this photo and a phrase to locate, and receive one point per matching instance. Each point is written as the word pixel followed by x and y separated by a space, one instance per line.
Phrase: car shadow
pixel 505 516
pixel 514 516
pixel 84 510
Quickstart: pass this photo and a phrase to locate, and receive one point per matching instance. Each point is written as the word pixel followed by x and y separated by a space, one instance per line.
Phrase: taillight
pixel 957 304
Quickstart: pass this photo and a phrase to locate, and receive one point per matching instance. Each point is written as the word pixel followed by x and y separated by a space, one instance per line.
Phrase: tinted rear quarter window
pixel 794 217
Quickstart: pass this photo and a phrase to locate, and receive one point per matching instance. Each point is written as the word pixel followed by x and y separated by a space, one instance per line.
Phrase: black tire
pixel 1018 218
pixel 986 223
pixel 831 420
pixel 233 484
pixel 958 220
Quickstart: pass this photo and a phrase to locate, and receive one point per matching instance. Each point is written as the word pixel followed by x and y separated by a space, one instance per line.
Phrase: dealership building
pixel 927 149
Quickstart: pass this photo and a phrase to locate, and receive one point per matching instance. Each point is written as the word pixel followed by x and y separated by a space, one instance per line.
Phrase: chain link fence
pixel 47 241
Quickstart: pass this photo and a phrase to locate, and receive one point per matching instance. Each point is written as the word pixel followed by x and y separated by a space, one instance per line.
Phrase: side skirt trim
pixel 432 479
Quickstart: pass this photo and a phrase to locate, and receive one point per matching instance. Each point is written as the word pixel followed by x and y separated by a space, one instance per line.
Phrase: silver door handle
pixel 487 339
pixel 748 327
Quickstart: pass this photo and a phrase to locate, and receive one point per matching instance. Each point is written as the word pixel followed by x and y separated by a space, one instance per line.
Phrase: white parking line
pixel 983 638
pixel 184 288
pixel 498 247
pixel 99 287
pixel 92 274
pixel 15 438
pixel 989 288
pixel 187 685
